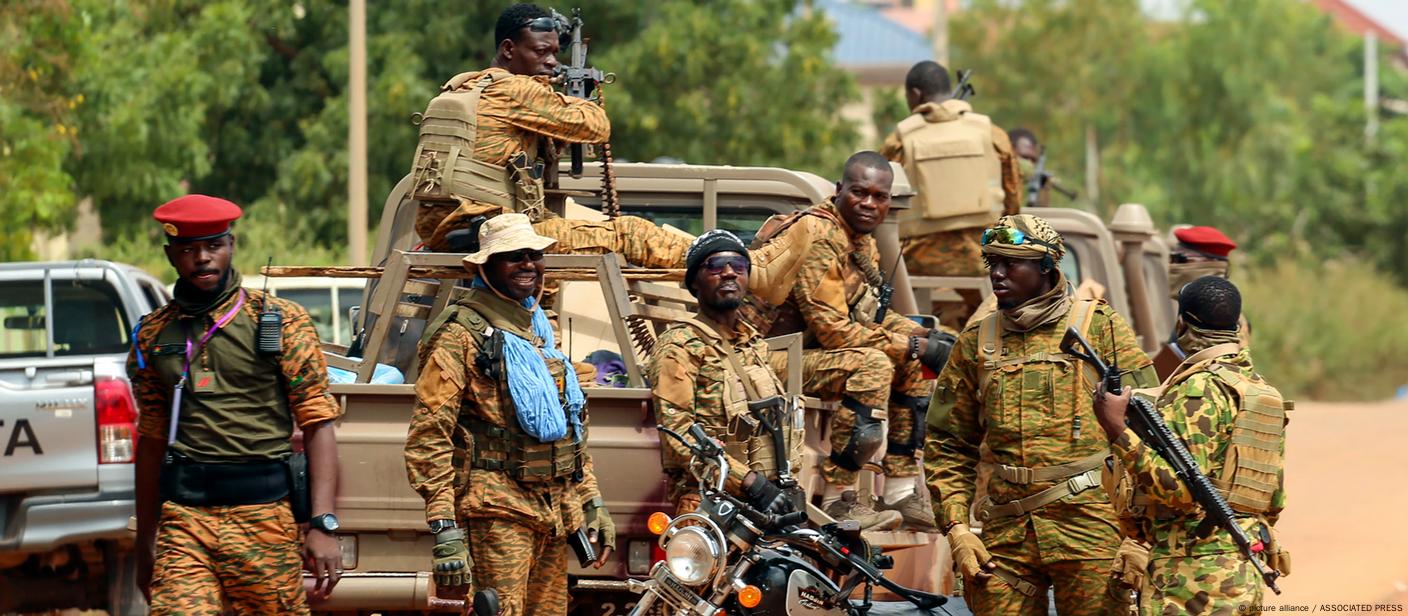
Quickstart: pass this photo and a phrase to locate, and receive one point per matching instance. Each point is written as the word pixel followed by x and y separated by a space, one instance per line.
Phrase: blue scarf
pixel 532 387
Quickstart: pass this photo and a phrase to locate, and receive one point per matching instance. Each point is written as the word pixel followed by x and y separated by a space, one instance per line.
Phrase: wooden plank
pixel 566 274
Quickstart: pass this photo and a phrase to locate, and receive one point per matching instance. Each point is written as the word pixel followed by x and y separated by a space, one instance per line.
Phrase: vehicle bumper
pixel 382 591
pixel 40 523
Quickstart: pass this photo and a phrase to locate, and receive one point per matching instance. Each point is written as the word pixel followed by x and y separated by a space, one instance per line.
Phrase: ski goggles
pixel 716 264
pixel 1011 237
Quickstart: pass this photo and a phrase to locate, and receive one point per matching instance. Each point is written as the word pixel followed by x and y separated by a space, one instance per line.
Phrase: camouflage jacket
pixel 690 374
pixel 1012 186
pixel 1200 410
pixel 516 110
pixel 248 407
pixel 1033 414
pixel 829 282
pixel 450 384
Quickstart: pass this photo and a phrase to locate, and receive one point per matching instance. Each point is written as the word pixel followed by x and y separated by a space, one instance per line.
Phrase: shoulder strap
pixel 1082 313
pixel 989 344
pixel 718 341
pixel 1194 362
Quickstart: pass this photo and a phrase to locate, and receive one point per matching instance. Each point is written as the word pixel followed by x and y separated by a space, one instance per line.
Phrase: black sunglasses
pixel 549 24
pixel 521 255
pixel 717 263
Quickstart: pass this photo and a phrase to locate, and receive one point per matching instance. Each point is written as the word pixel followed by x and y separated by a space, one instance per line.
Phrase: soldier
pixel 217 510
pixel 511 119
pixel 1200 251
pixel 1233 424
pixel 1010 390
pixel 707 371
pixel 962 167
pixel 497 443
pixel 874 367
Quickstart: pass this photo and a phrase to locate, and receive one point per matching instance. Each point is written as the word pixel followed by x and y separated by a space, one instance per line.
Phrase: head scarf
pixel 1035 228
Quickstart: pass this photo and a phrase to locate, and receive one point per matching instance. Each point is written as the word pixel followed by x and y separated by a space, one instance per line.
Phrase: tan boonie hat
pixel 506 233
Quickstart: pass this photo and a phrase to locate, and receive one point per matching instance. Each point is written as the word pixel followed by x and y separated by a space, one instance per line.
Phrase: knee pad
pixel 918 408
pixel 867 437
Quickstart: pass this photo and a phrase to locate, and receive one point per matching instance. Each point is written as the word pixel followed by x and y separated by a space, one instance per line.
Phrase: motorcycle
pixel 730 557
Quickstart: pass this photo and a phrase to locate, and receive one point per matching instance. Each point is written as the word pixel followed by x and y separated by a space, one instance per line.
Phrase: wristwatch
pixel 438 525
pixel 327 523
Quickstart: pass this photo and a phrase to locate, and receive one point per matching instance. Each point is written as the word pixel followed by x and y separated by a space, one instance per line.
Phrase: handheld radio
pixel 269 339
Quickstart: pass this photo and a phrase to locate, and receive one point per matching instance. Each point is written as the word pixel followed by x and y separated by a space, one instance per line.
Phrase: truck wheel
pixel 123 596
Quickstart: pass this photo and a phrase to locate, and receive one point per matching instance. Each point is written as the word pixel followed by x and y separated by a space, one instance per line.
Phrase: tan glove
pixel 1130 566
pixel 969 556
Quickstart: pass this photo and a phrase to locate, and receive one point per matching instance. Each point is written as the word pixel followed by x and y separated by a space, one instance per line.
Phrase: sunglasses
pixel 717 263
pixel 521 255
pixel 549 24
pixel 1010 237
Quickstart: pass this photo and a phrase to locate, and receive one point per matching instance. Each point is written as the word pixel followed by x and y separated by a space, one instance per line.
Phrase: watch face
pixel 328 522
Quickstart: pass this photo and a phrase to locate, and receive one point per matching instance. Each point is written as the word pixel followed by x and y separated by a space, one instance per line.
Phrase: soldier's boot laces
pixel 850 507
pixel 915 511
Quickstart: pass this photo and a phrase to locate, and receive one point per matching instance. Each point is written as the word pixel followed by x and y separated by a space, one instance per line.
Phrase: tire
pixel 123 596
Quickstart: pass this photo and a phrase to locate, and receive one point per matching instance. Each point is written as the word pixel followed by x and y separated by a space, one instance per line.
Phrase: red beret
pixel 196 217
pixel 1206 240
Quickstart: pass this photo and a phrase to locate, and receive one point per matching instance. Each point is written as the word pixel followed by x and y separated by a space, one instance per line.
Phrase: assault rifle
pixel 1146 422
pixel 1040 178
pixel 577 79
pixel 964 90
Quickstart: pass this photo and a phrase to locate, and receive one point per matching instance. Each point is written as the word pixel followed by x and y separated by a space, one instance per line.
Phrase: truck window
pixel 346 299
pixel 88 319
pixel 1070 264
pixel 743 223
pixel 318 303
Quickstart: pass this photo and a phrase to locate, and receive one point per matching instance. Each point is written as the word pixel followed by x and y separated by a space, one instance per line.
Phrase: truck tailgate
pixel 47 438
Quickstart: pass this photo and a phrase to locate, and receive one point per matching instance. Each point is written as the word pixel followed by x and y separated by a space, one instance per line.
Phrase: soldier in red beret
pixel 1197 252
pixel 221 375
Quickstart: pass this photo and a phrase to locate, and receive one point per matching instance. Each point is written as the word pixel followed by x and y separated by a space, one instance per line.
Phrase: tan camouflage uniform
pixel 1034 414
pixel 249 555
pixel 1189 575
pixel 514 113
pixel 518 529
pixel 856 356
pixel 957 252
pixel 691 373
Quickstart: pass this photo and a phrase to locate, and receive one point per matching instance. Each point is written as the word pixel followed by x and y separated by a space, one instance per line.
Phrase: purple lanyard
pixel 192 350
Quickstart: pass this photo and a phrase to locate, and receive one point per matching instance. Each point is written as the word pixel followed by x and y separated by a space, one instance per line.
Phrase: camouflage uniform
pixel 1190 575
pixel 523 114
pixel 1033 412
pixel 691 372
pixel 517 528
pixel 957 252
pixel 856 355
pixel 240 406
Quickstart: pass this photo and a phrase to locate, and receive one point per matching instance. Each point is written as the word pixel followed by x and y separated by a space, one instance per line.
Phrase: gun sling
pixel 1079 476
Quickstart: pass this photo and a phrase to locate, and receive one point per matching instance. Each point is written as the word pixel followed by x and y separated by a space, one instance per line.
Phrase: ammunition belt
pixel 497 448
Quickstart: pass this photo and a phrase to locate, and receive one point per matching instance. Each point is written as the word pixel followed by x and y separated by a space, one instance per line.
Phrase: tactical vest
pixel 1080 315
pixel 954 170
pixel 444 167
pixel 507 448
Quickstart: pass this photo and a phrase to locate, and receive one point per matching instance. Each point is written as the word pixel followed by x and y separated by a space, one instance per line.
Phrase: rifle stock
pixel 1146 422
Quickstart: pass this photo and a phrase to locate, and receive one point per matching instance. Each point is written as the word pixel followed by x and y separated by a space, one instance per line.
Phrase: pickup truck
pixel 67 428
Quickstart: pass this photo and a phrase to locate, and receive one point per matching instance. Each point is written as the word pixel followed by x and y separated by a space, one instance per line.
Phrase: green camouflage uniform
pixel 1189 575
pixel 517 528
pixel 1035 413
pixel 848 354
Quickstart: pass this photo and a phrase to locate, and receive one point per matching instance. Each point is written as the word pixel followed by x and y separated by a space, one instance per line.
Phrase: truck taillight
pixel 117 421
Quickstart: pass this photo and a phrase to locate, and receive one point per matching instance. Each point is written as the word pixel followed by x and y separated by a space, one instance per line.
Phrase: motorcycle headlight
pixel 691 556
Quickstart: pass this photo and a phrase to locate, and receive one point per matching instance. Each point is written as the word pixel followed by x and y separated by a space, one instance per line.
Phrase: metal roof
pixel 870 39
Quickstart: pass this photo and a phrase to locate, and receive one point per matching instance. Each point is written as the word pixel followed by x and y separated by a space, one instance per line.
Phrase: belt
pixel 1017 583
pixel 1072 486
pixel 1023 475
pixel 201 484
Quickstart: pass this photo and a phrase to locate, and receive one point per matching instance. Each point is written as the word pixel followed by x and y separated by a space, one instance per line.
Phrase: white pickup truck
pixel 67 433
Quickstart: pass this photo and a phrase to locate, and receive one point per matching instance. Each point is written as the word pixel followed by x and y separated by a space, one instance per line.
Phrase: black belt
pixel 203 484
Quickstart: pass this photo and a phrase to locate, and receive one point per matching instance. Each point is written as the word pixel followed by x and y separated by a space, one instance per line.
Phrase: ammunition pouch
pixel 527 180
pixel 209 484
pixel 497 448
pixel 867 437
pixel 917 408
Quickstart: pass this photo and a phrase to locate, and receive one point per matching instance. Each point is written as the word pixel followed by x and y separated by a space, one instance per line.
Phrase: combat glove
pixel 766 496
pixel 969 555
pixel 1130 566
pixel 936 350
pixel 452 564
pixel 600 527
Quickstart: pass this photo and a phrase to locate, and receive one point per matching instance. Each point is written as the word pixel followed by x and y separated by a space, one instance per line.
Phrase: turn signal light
pixel 750 596
pixel 658 522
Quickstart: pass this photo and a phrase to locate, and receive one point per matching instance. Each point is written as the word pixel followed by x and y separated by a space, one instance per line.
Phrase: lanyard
pixel 193 350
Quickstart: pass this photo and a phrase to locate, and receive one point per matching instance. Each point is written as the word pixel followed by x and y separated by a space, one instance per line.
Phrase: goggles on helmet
pixel 1011 237
pixel 550 24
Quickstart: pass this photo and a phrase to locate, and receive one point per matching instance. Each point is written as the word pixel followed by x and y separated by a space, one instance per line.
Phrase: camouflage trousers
pixel 636 239
pixel 1213 585
pixel 526 567
pixel 1080 586
pixel 948 253
pixel 249 557
pixel 868 377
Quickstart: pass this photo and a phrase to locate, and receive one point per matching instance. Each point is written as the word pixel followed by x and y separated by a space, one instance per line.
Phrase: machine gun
pixel 1043 178
pixel 964 90
pixel 1146 422
pixel 577 79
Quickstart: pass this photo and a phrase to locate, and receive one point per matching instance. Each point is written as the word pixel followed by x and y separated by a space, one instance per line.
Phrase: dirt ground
pixel 1347 503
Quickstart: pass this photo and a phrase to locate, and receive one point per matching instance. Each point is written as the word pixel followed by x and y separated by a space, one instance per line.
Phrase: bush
pixel 1327 331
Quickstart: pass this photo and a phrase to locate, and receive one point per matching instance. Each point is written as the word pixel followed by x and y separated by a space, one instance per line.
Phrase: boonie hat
pixel 506 233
